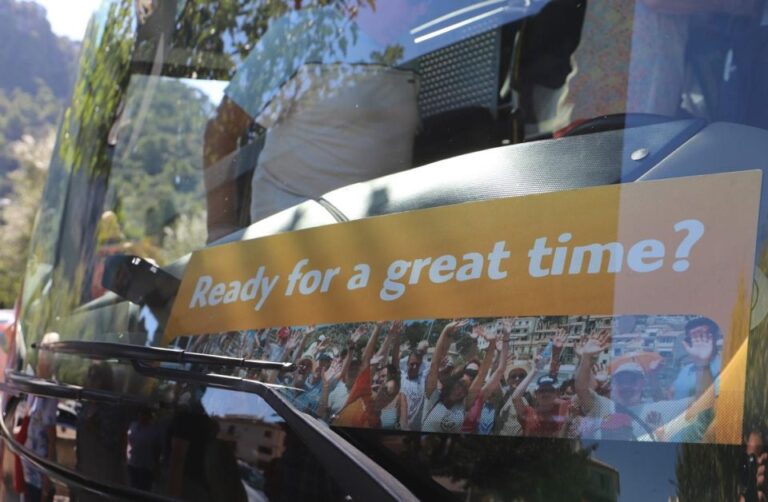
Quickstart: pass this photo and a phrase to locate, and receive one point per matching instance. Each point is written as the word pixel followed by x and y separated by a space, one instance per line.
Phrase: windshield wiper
pixel 363 478
pixel 18 382
pixel 111 350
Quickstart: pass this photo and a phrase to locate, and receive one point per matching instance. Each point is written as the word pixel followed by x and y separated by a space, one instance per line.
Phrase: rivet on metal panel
pixel 639 154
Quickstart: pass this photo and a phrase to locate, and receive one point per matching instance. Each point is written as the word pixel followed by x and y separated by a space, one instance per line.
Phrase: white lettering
pixel 310 282
pixel 393 290
pixel 204 283
pixel 251 287
pixel 328 277
pixel 442 269
pixel 494 261
pixel 217 294
pixel 294 276
pixel 639 255
pixel 418 265
pixel 361 278
pixel 471 270
pixel 267 285
pixel 596 251
pixel 233 293
pixel 536 253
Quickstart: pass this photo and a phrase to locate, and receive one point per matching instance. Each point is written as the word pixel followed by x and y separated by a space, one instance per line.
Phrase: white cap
pixel 629 366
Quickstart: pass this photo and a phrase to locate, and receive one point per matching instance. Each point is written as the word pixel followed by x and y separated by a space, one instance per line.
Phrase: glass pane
pixel 196 123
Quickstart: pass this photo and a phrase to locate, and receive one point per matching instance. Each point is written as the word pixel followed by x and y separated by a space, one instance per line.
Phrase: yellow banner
pixel 682 247
pixel 663 247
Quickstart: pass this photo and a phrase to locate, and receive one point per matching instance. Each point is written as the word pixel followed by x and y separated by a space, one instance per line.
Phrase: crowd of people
pixel 371 376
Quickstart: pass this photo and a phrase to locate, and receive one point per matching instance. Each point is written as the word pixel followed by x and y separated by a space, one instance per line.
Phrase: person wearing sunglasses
pixel 448 395
pixel 507 423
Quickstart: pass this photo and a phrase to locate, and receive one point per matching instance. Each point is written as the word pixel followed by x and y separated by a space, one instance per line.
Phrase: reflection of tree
pixel 102 80
pixel 16 225
pixel 26 142
pixel 492 468
pixel 157 174
pixel 519 467
pixel 232 28
pixel 756 399
pixel 707 472
pixel 710 472
pixel 81 164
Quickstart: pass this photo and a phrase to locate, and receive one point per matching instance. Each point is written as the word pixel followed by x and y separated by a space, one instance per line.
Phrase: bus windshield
pixel 512 249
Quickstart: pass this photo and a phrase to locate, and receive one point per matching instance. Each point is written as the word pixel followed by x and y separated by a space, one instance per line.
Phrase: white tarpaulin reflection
pixel 228 403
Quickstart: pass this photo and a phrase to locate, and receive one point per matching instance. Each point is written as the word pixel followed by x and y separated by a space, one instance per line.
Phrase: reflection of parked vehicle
pixel 489 101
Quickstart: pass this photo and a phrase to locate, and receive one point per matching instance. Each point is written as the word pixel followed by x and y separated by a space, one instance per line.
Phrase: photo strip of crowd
pixel 651 378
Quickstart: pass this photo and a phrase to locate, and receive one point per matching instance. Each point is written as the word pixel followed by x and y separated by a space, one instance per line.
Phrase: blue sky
pixel 69 18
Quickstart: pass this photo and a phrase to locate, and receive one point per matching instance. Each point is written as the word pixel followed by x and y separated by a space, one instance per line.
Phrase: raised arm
pixel 517 395
pixel 441 349
pixel 494 383
pixel 701 350
pixel 347 362
pixel 482 372
pixel 589 350
pixel 370 347
pixel 558 342
pixel 388 341
pixel 294 347
pixel 330 379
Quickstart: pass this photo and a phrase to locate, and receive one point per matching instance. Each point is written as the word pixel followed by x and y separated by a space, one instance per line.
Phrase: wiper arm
pixel 111 350
pixel 350 467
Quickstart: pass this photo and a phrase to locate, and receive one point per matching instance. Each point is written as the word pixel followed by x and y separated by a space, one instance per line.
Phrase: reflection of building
pixel 539 330
pixel 602 482
pixel 668 343
pixel 524 326
pixel 627 343
pixel 257 442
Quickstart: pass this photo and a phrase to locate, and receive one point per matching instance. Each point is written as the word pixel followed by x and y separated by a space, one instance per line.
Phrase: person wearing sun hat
pixel 507 423
pixel 653 420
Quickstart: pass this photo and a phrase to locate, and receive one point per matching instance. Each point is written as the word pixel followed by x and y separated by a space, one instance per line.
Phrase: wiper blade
pixel 111 350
